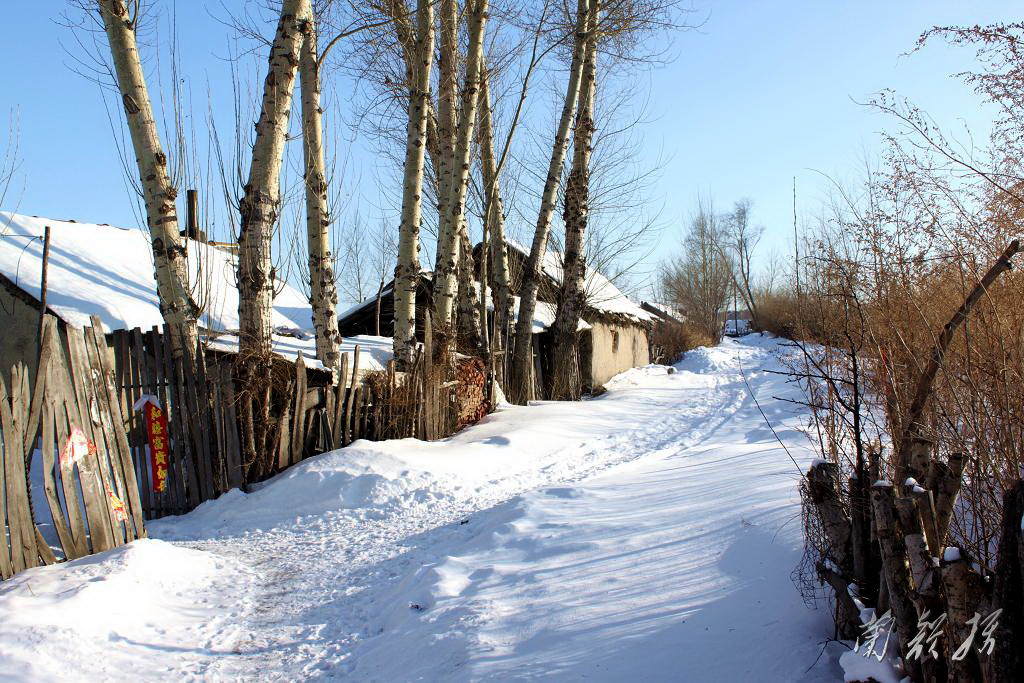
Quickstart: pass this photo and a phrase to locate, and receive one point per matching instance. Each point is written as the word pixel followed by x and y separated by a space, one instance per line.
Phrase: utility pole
pixel 796 245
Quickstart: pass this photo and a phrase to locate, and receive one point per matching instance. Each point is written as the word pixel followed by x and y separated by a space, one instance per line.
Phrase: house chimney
pixel 192 230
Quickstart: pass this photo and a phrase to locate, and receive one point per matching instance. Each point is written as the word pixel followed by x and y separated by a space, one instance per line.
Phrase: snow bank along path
pixel 645 535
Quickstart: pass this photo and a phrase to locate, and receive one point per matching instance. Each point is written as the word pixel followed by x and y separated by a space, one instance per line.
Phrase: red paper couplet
pixel 156 428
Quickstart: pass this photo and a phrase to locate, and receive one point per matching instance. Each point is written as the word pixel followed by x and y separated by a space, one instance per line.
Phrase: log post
pixel 823 491
pixel 823 488
pixel 926 508
pixel 848 623
pixel 921 565
pixel 919 457
pixel 1007 659
pixel 945 479
pixel 964 589
pixel 894 569
pixel 860 529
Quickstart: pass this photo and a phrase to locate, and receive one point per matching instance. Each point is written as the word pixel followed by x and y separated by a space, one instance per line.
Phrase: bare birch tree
pixel 494 221
pixel 453 216
pixel 521 385
pixel 408 270
pixel 565 379
pixel 171 266
pixel 323 293
pixel 698 282
pixel 260 203
pixel 740 238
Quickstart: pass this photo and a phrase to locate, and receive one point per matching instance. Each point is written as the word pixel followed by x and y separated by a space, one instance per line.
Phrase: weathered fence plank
pixel 298 425
pixel 97 511
pixel 120 457
pixel 23 552
pixel 337 432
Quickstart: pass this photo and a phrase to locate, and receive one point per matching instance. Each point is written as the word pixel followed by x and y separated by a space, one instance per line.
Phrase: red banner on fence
pixel 156 428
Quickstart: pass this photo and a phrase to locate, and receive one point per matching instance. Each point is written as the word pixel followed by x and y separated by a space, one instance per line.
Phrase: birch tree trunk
pixel 323 294
pixel 469 319
pixel 408 269
pixel 171 266
pixel 565 375
pixel 261 201
pixel 442 154
pixel 447 111
pixel 521 387
pixel 452 220
pixel 494 219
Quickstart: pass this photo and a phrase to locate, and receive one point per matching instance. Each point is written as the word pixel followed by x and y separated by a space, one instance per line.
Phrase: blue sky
pixel 762 92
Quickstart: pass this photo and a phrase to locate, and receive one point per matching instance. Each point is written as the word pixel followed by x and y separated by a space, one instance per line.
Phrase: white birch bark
pixel 407 271
pixel 453 220
pixel 323 291
pixel 494 213
pixel 447 111
pixel 170 263
pixel 470 322
pixel 261 200
pixel 565 378
pixel 521 387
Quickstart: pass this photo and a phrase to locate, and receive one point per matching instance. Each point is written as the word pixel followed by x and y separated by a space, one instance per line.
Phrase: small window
pixel 615 341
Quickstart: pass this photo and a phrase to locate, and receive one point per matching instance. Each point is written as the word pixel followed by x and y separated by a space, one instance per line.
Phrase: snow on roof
pixel 602 295
pixel 108 271
pixel 374 352
pixel 372 299
pixel 543 314
pixel 667 310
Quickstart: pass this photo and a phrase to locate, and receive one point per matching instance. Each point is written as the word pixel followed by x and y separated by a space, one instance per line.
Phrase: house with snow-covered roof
pixel 613 330
pixel 615 337
pixel 107 271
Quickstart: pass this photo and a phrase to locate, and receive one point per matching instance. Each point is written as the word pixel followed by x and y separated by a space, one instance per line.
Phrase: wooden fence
pixel 198 403
pixel 205 457
pixel 68 414
pixel 77 419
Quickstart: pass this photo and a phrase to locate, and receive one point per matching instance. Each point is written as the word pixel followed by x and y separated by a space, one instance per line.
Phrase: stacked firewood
pixel 471 392
pixel 887 546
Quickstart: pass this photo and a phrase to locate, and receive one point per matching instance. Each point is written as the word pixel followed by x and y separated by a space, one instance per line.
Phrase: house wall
pixel 19 330
pixel 19 325
pixel 609 357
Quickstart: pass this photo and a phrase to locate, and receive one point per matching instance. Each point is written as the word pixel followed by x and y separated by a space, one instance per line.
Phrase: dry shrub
pixel 670 341
pixel 697 337
pixel 879 287
pixel 777 313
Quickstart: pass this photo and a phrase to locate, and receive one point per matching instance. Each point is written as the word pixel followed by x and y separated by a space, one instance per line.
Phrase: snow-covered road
pixel 646 535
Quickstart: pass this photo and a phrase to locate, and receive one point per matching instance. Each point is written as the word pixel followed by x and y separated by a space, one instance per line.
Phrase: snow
pixel 647 534
pixel 736 327
pixel 149 603
pixel 108 271
pixel 858 666
pixel 951 554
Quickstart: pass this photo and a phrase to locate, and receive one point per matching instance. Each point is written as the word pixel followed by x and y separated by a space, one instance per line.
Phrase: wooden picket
pixel 204 458
pixel 86 391
pixel 72 416
pixel 200 405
